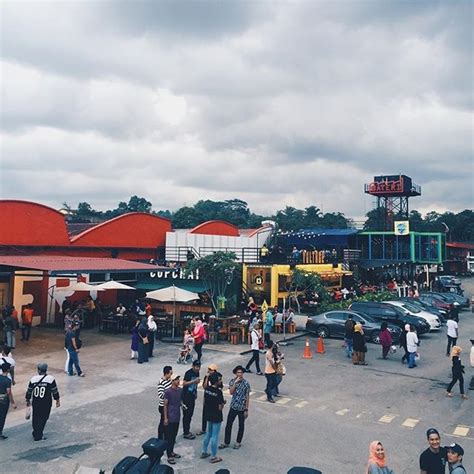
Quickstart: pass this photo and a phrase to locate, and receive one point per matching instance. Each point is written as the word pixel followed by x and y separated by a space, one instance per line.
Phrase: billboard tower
pixel 392 193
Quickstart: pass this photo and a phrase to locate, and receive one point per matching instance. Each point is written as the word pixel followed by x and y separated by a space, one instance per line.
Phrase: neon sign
pixel 387 185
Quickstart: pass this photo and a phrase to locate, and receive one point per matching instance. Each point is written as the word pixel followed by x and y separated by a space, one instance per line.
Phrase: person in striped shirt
pixel 163 385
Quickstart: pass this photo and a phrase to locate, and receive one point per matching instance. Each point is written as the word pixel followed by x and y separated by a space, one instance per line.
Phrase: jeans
pixel 266 337
pixel 161 426
pixel 25 332
pixel 278 380
pixel 271 385
pixel 66 365
pixel 348 346
pixel 411 359
pixel 39 419
pixel 10 339
pixel 3 413
pixel 188 413
pixel 230 421
pixel 170 436
pixel 451 342
pixel 255 358
pixel 73 361
pixel 212 435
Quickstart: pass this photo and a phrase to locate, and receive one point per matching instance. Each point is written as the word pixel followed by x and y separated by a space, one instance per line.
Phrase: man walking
pixel 268 326
pixel 73 345
pixel 26 322
pixel 10 325
pixel 163 385
pixel 239 407
pixel 349 334
pixel 190 384
pixel 412 346
pixel 255 336
pixel 452 330
pixel 172 415
pixel 433 459
pixel 40 393
pixel 6 358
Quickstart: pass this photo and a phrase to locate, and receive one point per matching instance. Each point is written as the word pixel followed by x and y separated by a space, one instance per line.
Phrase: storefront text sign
pixel 175 274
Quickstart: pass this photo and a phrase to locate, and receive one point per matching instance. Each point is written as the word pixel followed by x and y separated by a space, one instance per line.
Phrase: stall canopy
pixel 196 286
pixel 63 265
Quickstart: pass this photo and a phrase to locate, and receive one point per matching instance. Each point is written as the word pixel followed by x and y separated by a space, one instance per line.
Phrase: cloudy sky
pixel 277 103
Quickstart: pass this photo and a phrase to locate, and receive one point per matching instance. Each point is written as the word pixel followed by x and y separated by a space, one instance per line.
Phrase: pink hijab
pixel 373 459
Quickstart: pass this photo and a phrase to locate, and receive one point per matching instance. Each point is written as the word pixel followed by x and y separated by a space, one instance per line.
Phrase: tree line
pixel 457 226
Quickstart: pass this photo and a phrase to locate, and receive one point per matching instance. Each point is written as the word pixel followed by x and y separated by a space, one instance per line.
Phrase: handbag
pixel 280 369
pixel 261 344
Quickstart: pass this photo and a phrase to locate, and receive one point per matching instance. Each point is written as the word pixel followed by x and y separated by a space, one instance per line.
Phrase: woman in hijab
pixel 385 339
pixel 458 371
pixel 403 342
pixel 358 346
pixel 377 462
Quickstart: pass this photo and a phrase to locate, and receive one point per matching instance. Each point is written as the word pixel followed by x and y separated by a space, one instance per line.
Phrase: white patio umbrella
pixel 80 286
pixel 174 294
pixel 114 285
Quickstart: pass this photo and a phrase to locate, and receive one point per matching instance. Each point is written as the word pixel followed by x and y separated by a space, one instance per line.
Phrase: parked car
pixel 456 299
pixel 331 324
pixel 438 302
pixel 439 312
pixel 412 310
pixel 391 314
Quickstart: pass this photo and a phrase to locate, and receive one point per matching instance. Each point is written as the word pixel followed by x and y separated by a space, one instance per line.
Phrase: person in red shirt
pixel 26 321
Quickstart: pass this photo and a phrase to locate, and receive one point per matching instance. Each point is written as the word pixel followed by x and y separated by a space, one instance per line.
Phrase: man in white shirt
pixel 255 335
pixel 452 327
pixel 6 358
pixel 412 346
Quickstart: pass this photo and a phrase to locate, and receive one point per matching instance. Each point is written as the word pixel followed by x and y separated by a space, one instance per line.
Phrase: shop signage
pixel 175 274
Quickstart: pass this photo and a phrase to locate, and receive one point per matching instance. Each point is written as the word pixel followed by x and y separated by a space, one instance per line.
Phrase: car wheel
pixel 375 337
pixel 322 331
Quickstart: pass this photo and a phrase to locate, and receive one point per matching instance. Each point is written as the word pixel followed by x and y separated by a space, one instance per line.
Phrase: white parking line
pixel 342 412
pixel 461 430
pixel 387 418
pixel 410 423
pixel 301 404
pixel 283 401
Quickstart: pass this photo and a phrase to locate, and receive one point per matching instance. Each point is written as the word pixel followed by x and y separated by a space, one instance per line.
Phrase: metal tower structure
pixel 392 193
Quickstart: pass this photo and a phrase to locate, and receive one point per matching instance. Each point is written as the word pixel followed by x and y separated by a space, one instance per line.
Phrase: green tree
pixel 186 218
pixel 301 282
pixel 216 271
pixel 138 204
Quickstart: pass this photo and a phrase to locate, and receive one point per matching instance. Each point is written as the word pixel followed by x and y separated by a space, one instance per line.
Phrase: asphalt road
pixel 329 412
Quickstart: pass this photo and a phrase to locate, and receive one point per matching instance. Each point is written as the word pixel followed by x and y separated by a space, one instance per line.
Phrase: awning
pixel 190 285
pixel 63 265
pixel 380 263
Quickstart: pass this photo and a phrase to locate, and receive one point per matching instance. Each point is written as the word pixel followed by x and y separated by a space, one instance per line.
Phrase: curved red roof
pixel 216 227
pixel 32 224
pixel 136 229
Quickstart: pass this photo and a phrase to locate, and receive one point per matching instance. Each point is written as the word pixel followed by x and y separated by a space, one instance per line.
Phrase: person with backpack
pixel 256 345
pixel 40 393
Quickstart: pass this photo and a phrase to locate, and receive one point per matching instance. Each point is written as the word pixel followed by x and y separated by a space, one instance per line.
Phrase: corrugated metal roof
pixel 63 264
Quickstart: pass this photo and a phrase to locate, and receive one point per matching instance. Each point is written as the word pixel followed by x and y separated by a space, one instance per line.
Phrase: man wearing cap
pixel 41 390
pixel 433 459
pixel 239 388
pixel 455 454
pixel 190 385
pixel 172 415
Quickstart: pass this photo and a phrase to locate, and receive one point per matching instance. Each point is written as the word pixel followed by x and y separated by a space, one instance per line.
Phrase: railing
pixel 181 254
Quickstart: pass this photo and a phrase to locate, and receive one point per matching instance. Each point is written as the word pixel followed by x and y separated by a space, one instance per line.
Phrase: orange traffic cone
pixel 320 346
pixel 307 351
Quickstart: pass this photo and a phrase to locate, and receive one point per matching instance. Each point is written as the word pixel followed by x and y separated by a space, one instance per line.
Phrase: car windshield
pixel 410 307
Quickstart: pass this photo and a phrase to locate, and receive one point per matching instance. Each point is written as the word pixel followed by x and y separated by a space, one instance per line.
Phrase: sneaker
pixel 248 371
pixel 259 373
pixel 2 436
pixel 270 400
pixel 204 455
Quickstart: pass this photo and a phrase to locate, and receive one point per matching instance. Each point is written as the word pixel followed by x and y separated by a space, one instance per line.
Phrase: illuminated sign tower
pixel 392 193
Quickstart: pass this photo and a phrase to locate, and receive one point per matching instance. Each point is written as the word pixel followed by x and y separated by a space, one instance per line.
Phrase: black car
pixel 390 314
pixel 454 298
pixel 331 324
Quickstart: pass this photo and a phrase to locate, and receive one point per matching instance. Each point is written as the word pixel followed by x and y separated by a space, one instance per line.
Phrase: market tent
pixel 114 285
pixel 174 294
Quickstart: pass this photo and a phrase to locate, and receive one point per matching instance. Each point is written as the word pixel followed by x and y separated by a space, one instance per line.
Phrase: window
pixel 336 316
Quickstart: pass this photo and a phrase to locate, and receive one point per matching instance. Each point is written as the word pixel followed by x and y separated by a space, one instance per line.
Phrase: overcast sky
pixel 277 103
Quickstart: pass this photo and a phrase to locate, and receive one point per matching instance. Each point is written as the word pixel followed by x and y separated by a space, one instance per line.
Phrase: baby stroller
pixel 185 351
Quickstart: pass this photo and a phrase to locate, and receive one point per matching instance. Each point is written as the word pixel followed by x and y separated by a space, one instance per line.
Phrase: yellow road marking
pixel 461 430
pixel 387 418
pixel 283 401
pixel 342 412
pixel 410 423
